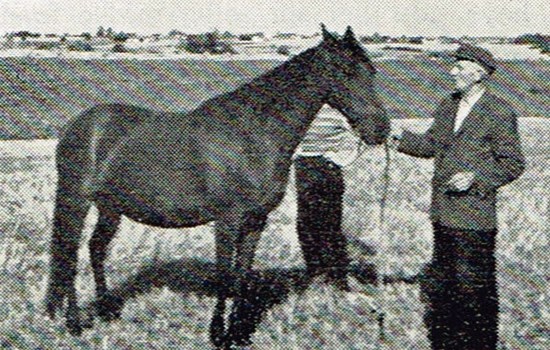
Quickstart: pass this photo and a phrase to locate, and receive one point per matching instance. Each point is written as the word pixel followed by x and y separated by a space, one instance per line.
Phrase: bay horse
pixel 227 161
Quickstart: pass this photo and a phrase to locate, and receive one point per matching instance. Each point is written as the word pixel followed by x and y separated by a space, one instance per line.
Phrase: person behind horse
pixel 476 146
pixel 320 188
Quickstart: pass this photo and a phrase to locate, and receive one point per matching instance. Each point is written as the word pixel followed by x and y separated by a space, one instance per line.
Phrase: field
pixel 161 270
pixel 168 315
pixel 37 96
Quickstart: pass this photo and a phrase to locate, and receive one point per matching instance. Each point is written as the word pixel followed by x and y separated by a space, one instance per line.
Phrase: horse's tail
pixel 74 159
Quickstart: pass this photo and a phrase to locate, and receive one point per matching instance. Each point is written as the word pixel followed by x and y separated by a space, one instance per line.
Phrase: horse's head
pixel 348 74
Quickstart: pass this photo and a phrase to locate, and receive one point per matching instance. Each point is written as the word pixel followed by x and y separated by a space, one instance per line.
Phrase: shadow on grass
pixel 266 288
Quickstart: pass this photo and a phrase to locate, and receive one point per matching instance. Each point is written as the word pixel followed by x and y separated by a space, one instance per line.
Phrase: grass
pixel 164 316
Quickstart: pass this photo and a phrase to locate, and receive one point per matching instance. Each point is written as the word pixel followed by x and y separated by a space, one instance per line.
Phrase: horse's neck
pixel 296 100
pixel 279 105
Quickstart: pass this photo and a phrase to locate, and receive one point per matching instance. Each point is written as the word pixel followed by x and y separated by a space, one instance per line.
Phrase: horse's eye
pixel 369 67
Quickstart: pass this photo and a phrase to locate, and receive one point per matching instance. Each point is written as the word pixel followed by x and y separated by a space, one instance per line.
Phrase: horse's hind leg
pixel 73 161
pixel 107 307
pixel 69 216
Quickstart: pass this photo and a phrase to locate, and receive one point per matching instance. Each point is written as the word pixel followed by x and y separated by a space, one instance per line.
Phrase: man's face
pixel 466 73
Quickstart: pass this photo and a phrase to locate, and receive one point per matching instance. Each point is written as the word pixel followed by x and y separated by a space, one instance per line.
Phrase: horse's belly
pixel 173 219
pixel 154 205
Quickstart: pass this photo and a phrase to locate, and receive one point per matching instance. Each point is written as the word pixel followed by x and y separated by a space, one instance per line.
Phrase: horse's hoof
pixel 87 324
pixel 219 343
pixel 72 321
pixel 232 346
pixel 218 340
pixel 51 312
pixel 109 317
pixel 87 321
pixel 217 332
pixel 52 308
pixel 237 339
pixel 109 307
pixel 74 329
pixel 239 344
pixel 239 333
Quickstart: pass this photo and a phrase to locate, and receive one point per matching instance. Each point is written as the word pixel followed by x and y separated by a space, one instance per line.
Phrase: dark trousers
pixel 460 286
pixel 320 187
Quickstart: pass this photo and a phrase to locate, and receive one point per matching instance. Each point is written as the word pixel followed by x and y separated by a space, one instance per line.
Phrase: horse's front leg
pixel 226 234
pixel 244 315
pixel 107 307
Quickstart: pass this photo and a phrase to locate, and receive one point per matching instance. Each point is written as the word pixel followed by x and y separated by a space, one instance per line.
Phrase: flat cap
pixel 478 55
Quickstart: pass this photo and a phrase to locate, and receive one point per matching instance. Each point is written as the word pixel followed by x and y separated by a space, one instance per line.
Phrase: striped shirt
pixel 328 134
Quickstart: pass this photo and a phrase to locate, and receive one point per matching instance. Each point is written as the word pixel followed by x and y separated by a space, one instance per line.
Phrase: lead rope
pixel 380 285
pixel 381 302
pixel 385 183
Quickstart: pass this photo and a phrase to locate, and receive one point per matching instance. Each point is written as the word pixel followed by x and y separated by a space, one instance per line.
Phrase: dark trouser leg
pixel 476 290
pixel 320 187
pixel 462 311
pixel 308 223
pixel 437 287
pixel 335 257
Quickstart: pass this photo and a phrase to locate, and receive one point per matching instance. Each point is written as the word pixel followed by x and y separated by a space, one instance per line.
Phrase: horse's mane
pixel 265 87
pixel 292 65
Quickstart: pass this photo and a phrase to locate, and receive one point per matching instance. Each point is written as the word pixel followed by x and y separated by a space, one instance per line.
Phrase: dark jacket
pixel 486 144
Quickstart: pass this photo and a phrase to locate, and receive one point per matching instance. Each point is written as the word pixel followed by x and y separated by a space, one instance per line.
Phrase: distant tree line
pixel 206 43
pixel 376 38
pixel 216 42
pixel 539 41
pixel 23 35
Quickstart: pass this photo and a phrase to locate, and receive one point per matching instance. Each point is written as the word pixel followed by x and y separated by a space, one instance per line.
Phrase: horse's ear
pixel 327 36
pixel 351 43
pixel 349 37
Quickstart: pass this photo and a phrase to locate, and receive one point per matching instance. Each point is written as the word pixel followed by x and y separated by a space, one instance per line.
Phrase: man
pixel 476 146
pixel 328 145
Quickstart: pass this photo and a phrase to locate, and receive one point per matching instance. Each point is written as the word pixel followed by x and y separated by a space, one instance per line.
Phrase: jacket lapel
pixel 446 134
pixel 471 118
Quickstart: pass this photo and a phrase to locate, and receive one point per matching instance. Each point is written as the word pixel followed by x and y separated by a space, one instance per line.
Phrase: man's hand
pixel 461 181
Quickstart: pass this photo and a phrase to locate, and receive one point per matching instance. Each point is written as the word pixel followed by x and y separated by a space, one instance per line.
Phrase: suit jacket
pixel 486 144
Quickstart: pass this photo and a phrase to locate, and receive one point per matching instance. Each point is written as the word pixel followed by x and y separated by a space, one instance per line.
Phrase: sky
pixel 388 17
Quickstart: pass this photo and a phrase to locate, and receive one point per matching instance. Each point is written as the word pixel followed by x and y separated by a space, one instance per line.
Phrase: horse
pixel 227 161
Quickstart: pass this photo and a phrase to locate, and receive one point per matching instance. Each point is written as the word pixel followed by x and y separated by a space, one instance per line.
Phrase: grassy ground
pixel 172 314
pixel 37 96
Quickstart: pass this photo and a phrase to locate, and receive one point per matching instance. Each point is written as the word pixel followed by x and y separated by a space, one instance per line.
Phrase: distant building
pixel 285 36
